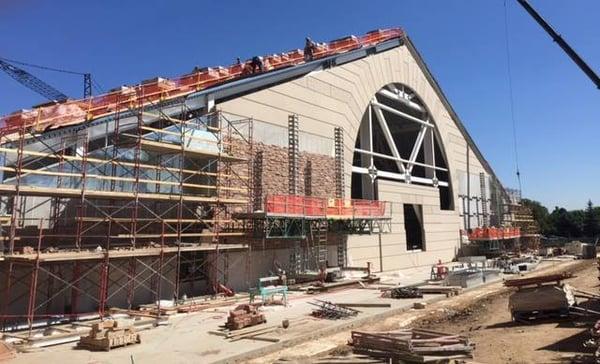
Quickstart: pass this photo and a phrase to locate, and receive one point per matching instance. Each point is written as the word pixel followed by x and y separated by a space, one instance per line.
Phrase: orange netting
pixel 77 111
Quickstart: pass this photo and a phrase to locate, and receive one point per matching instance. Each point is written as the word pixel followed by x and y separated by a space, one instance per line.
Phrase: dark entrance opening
pixel 413 225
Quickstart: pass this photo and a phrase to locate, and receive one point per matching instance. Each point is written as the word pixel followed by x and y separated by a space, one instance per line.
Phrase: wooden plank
pixel 93 255
pixel 111 195
pixel 158 220
pixel 123 179
pixel 179 121
pixel 192 137
pixel 557 277
pixel 59 156
pixel 162 147
pixel 364 304
pixel 174 235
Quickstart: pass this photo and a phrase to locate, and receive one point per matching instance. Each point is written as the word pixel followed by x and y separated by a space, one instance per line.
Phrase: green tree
pixel 591 220
pixel 565 223
pixel 540 214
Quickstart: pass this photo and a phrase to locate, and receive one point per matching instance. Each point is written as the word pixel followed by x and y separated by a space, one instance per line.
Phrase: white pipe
pixel 401 114
pixel 401 97
pixel 398 159
pixel 397 176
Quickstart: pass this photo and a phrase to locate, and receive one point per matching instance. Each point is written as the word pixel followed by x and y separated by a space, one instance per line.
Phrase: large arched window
pixel 398 141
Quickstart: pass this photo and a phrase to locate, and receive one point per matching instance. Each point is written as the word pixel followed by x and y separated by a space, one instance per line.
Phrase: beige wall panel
pixel 339 97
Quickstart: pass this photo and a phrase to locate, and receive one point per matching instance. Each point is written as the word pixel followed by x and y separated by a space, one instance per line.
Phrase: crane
pixel 35 84
pixel 561 42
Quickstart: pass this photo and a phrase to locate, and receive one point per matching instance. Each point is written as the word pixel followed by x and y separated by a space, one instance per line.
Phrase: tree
pixel 591 221
pixel 540 213
pixel 565 223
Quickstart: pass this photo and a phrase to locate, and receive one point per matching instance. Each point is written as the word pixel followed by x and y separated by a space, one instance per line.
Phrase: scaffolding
pixel 114 213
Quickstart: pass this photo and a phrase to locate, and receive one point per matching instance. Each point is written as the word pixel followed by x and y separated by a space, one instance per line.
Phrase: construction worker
pixel 257 64
pixel 309 49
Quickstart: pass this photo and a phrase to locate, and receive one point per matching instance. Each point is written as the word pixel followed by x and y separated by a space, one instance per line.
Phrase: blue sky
pixel 557 108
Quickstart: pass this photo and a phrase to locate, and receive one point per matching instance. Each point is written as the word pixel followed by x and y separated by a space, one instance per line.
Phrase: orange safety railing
pixel 307 206
pixel 293 205
pixel 493 233
pixel 77 111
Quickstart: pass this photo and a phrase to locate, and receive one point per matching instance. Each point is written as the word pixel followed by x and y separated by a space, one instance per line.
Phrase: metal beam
pixel 399 177
pixel 388 137
pixel 385 156
pixel 396 96
pixel 400 113
pixel 416 148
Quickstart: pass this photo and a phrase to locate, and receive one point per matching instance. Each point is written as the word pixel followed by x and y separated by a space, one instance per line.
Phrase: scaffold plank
pixel 111 195
pixel 115 254
pixel 59 156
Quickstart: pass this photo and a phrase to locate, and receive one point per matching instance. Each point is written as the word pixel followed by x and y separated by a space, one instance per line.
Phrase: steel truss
pixel 108 217
pixel 388 107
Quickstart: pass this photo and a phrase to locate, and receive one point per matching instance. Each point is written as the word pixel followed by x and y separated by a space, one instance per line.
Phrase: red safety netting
pixel 307 206
pixel 77 111
pixel 493 233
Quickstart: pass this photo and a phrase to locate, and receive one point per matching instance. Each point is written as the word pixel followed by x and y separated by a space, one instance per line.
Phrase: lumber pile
pixel 328 287
pixel 109 334
pixel 193 304
pixel 539 280
pixel 412 345
pixel 258 333
pixel 243 316
pixel 541 297
pixel 436 289
pixel 251 333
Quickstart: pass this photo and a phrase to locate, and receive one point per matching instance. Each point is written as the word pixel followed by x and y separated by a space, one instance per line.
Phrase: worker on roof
pixel 309 49
pixel 257 64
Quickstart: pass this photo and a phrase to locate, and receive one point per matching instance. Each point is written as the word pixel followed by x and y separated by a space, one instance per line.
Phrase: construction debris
pixel 540 297
pixel 243 316
pixel 7 352
pixel 403 292
pixel 364 304
pixel 331 311
pixel 594 342
pixel 412 345
pixel 419 305
pixel 110 334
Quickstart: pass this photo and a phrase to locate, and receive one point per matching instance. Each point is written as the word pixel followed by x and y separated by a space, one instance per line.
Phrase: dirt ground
pixel 499 340
pixel 481 314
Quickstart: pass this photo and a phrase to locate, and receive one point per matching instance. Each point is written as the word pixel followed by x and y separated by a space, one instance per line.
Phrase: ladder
pixel 295 265
pixel 341 254
pixel 293 154
pixel 318 233
pixel 484 200
pixel 339 162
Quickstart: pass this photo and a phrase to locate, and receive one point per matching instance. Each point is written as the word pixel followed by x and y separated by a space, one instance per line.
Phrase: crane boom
pixel 33 83
pixel 561 42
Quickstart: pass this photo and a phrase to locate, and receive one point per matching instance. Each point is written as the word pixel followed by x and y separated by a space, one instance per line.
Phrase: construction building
pixel 344 155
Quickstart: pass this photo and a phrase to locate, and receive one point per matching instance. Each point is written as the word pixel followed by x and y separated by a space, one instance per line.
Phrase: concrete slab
pixel 187 338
